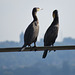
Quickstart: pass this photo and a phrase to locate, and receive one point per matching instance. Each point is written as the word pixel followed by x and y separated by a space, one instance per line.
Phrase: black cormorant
pixel 32 30
pixel 51 33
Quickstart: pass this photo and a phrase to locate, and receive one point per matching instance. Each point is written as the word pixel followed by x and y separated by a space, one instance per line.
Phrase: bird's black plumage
pixel 51 33
pixel 32 30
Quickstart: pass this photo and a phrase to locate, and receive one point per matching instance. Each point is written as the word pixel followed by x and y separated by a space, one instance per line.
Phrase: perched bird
pixel 32 30
pixel 51 33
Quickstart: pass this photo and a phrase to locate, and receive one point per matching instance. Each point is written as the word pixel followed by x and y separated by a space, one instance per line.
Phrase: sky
pixel 16 15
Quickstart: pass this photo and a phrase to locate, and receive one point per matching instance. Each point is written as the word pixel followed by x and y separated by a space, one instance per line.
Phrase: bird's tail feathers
pixel 45 53
pixel 23 48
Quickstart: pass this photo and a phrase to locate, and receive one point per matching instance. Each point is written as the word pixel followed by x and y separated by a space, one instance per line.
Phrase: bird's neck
pixel 56 20
pixel 34 16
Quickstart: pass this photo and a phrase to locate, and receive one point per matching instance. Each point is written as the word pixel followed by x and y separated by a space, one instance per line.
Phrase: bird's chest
pixel 35 29
pixel 55 29
pixel 56 26
pixel 36 25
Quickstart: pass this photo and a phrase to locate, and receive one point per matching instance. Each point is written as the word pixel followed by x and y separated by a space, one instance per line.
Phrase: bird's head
pixel 35 9
pixel 55 13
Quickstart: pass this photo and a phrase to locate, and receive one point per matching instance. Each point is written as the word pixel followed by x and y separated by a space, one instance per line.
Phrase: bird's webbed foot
pixel 52 46
pixel 34 44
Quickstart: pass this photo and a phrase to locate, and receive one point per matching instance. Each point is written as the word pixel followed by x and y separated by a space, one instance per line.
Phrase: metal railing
pixel 17 49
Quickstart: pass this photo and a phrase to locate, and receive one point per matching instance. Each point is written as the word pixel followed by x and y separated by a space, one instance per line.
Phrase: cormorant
pixel 32 30
pixel 51 33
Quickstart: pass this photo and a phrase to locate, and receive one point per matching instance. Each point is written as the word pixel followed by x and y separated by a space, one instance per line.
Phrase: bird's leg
pixel 30 47
pixel 35 45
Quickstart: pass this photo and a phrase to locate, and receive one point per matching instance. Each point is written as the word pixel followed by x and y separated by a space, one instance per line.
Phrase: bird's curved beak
pixel 39 9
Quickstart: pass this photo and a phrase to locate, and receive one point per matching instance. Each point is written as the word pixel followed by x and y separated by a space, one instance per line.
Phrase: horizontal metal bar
pixel 18 49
